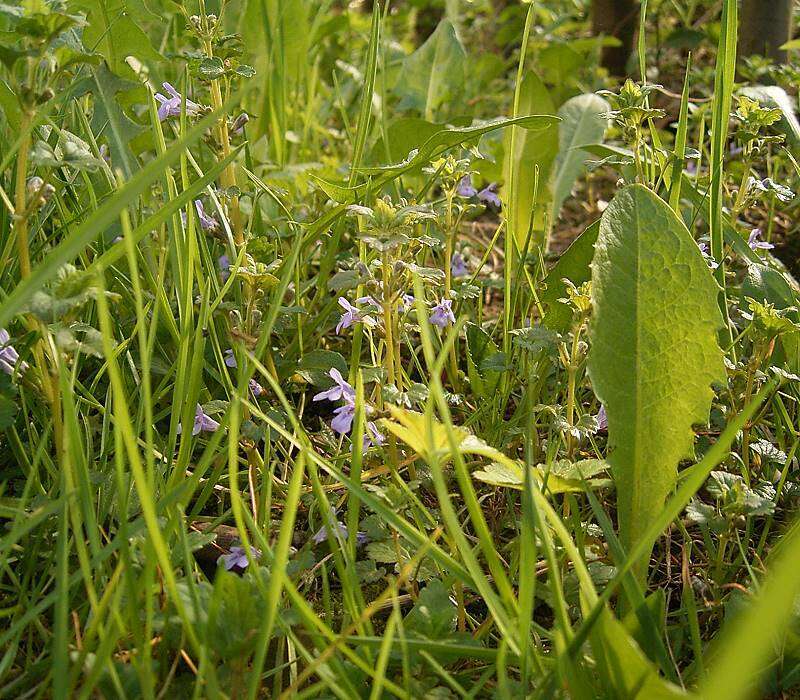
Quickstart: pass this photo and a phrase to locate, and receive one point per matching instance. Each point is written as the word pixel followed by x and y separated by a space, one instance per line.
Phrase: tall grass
pixel 462 537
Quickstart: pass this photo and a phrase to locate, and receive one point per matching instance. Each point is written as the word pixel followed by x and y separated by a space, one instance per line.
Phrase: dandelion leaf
pixel 654 351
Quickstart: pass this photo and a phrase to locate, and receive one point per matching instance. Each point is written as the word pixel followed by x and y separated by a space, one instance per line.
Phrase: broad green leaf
pixel 572 265
pixel 654 351
pixel 434 614
pixel 434 75
pixel 582 122
pixel 112 32
pixel 534 152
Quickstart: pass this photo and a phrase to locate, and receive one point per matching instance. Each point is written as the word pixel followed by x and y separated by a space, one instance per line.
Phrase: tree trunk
pixel 764 27
pixel 620 19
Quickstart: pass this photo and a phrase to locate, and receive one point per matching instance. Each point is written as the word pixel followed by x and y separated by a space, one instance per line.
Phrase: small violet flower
pixel 372 437
pixel 755 242
pixel 224 264
pixel 342 422
pixel 171 106
pixel 465 187
pixel 602 418
pixel 341 390
pixel 351 315
pixel 340 532
pixel 442 314
pixel 713 264
pixel 202 422
pixel 256 388
pixel 207 223
pixel 488 195
pixel 238 558
pixel 230 358
pixel 239 122
pixel 458 266
pixel 406 302
pixel 9 359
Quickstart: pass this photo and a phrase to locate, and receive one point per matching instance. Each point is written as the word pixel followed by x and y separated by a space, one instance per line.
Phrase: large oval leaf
pixel 654 351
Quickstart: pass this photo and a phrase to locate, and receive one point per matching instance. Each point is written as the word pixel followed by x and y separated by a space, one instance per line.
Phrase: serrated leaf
pixel 775 97
pixel 654 351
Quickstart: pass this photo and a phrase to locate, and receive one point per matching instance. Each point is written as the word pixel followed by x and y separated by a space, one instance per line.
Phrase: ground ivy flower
pixel 340 391
pixel 239 122
pixel 238 558
pixel 755 242
pixel 207 223
pixel 224 264
pixel 602 418
pixel 256 388
pixel 488 195
pixel 171 106
pixel 340 532
pixel 9 358
pixel 465 187
pixel 442 314
pixel 372 437
pixel 713 264
pixel 351 315
pixel 406 302
pixel 458 266
pixel 202 422
pixel 230 358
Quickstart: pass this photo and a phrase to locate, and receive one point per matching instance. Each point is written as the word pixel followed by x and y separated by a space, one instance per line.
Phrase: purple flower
pixel 238 558
pixel 352 315
pixel 207 223
pixel 406 303
pixel 442 314
pixel 755 243
pixel 342 422
pixel 713 264
pixel 230 358
pixel 340 532
pixel 224 264
pixel 202 422
pixel 602 418
pixel 9 359
pixel 341 390
pixel 465 188
pixel 171 106
pixel 372 437
pixel 256 388
pixel 239 122
pixel 458 266
pixel 488 195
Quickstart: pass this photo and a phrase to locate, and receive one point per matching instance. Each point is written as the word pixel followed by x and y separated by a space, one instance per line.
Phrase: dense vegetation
pixel 404 350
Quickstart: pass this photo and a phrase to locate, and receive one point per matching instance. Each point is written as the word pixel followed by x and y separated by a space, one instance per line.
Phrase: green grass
pixel 490 539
